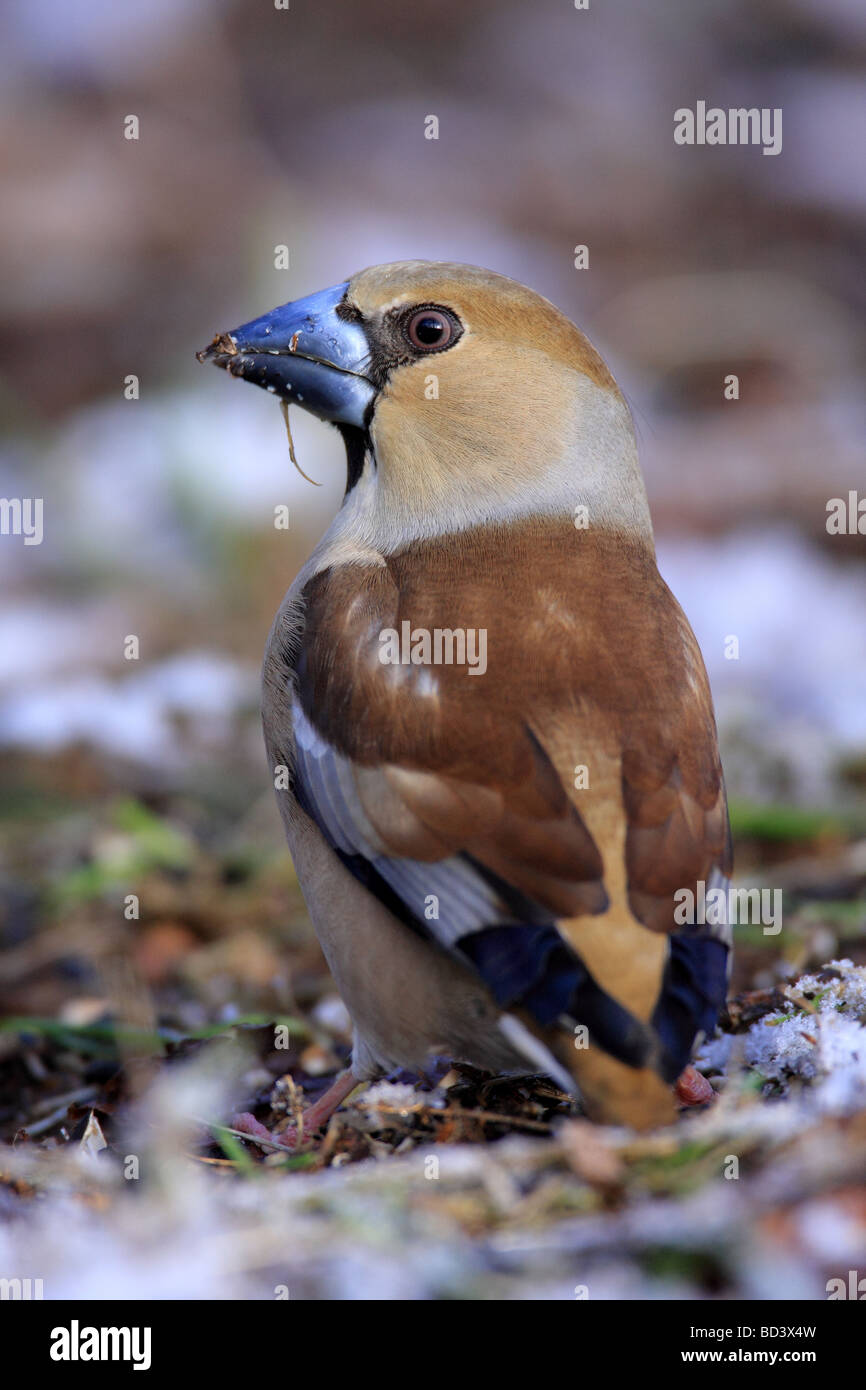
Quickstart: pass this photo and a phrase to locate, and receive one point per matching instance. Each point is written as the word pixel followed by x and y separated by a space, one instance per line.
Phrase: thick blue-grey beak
pixel 306 354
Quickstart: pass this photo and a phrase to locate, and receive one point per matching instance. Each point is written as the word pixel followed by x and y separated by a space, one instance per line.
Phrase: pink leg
pixel 314 1117
pixel 692 1088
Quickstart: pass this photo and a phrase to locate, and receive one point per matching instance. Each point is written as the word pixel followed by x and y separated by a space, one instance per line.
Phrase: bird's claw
pixel 247 1124
pixel 692 1088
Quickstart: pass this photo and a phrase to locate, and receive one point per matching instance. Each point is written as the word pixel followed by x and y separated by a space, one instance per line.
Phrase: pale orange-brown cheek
pixel 475 411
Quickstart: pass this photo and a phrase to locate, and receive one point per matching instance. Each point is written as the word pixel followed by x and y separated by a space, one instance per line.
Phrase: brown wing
pixel 589 659
pixel 441 762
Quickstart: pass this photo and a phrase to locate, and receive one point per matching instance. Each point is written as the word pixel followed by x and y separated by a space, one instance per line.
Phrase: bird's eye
pixel 430 330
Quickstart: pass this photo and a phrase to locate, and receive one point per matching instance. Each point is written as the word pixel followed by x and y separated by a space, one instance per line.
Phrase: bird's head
pixel 463 396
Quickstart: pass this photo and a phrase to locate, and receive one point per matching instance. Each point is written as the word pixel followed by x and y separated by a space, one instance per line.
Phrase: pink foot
pixel 692 1088
pixel 314 1117
pixel 248 1124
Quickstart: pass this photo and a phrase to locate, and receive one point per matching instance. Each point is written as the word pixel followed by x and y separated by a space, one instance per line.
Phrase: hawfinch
pixel 496 721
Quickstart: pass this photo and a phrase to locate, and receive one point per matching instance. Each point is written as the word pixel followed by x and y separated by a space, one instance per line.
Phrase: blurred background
pixel 305 128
